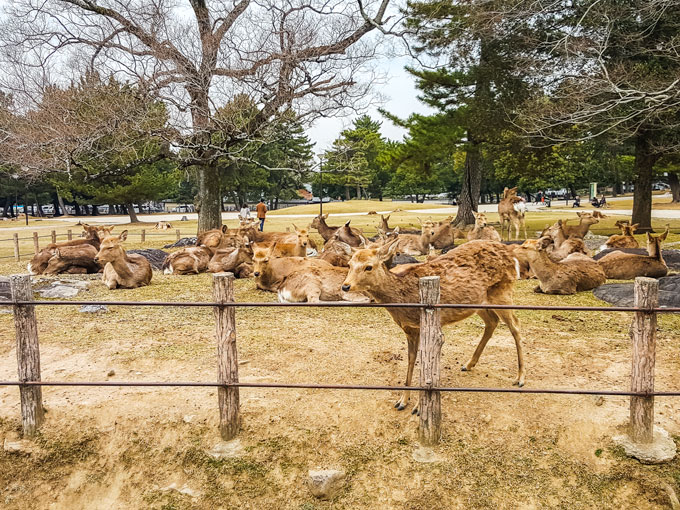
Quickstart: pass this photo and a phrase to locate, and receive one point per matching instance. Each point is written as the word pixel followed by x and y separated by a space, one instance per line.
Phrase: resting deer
pixel 40 260
pixel 586 220
pixel 482 231
pixel 192 259
pixel 445 234
pixel 571 275
pixel 626 266
pixel 350 235
pixel 565 245
pixel 415 244
pixel 384 225
pixel 237 260
pixel 286 248
pixel 270 271
pixel 474 273
pixel 73 260
pixel 315 284
pixel 623 240
pixel 336 253
pixel 353 239
pixel 122 270
pixel 512 211
pixel 162 225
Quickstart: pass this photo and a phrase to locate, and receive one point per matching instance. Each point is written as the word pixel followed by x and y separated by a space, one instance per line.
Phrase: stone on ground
pixel 63 288
pixel 155 257
pixel 226 450
pixel 93 309
pixel 661 449
pixel 325 483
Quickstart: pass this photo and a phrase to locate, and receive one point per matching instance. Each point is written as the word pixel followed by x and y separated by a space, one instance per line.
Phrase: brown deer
pixel 336 253
pixel 445 234
pixel 237 260
pixel 477 272
pixel 122 270
pixel 281 248
pixel 192 259
pixel 212 238
pixel 269 271
pixel 571 275
pixel 626 266
pixel 350 235
pixel 565 245
pixel 162 225
pixel 73 260
pixel 623 240
pixel 384 225
pixel 482 231
pixel 586 220
pixel 315 284
pixel 40 260
pixel 414 244
pixel 512 211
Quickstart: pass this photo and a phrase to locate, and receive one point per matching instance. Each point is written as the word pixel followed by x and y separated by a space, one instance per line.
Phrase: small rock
pixel 487 418
pixel 184 489
pixel 226 450
pixel 188 418
pixel 93 309
pixel 19 446
pixel 111 373
pixel 661 449
pixel 184 218
pixel 244 362
pixel 326 483
pixel 425 455
pixel 599 400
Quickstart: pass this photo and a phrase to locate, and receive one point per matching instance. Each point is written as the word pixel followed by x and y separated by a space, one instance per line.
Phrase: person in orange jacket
pixel 261 213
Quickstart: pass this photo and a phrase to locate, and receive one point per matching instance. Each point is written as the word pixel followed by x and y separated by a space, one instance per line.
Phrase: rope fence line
pixel 353 387
pixel 641 393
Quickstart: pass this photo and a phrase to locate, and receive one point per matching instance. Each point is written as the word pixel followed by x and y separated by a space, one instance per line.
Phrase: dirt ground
pixel 121 448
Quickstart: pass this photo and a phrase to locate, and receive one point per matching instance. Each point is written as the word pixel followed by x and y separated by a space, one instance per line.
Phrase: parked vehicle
pixel 660 186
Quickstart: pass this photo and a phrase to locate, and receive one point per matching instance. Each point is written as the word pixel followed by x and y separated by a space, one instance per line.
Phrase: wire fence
pixel 641 394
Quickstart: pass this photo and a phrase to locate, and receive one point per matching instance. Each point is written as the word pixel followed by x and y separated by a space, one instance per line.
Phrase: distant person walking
pixel 244 213
pixel 261 213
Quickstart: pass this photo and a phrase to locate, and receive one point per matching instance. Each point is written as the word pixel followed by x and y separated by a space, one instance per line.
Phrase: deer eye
pixel 368 268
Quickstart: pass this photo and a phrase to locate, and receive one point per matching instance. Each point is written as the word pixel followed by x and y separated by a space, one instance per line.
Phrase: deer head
pixel 480 220
pixel 369 267
pixel 302 235
pixel 111 248
pixel 261 260
pixel 654 243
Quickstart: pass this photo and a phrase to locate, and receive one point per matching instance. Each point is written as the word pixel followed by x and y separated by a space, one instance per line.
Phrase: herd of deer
pixel 352 267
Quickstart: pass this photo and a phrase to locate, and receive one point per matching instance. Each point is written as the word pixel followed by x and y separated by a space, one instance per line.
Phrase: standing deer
pixel 512 210
pixel 122 270
pixel 477 272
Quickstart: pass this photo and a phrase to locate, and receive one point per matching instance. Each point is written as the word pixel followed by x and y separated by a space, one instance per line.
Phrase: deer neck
pixel 392 288
pixel 325 230
pixel 542 265
pixel 123 266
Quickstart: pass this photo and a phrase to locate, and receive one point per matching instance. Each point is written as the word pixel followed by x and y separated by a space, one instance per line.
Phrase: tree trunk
pixel 61 205
pixel 58 210
pixel 472 181
pixel 674 183
pixel 642 196
pixel 209 198
pixel 76 207
pixel 347 197
pixel 8 208
pixel 131 212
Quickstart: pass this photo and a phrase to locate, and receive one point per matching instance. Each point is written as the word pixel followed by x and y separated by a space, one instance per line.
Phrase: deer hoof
pixel 400 406
pixel 463 368
pixel 415 411
pixel 519 383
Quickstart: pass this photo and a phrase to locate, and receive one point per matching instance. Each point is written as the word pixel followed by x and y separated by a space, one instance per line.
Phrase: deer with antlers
pixel 477 272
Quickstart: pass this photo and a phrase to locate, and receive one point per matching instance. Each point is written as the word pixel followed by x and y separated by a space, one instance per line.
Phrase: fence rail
pixel 641 394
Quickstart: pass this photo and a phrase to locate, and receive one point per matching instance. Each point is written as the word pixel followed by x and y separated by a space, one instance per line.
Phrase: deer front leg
pixel 490 322
pixel 413 340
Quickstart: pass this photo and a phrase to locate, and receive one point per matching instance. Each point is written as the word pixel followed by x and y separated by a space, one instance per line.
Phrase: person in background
pixel 261 213
pixel 577 201
pixel 603 201
pixel 244 213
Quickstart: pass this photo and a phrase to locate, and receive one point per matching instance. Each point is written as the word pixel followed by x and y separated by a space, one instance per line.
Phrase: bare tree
pixel 307 55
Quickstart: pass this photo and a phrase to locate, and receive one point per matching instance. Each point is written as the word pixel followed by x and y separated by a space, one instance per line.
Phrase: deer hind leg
pixel 490 322
pixel 413 339
pixel 509 318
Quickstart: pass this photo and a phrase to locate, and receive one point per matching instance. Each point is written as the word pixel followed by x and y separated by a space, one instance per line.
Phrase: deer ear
pixel 272 247
pixel 663 236
pixel 388 217
pixel 634 227
pixel 347 224
pixel 578 214
pixel 224 229
pixel 324 216
pixel 396 230
pixel 123 235
pixel 57 254
pixel 387 251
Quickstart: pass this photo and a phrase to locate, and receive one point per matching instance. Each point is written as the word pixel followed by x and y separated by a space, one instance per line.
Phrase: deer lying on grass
pixel 336 253
pixel 286 248
pixel 445 234
pixel 586 220
pixel 565 245
pixel 316 284
pixel 192 259
pixel 626 266
pixel 40 260
pixel 475 272
pixel 623 240
pixel 512 211
pixel 237 260
pixel 162 225
pixel 269 271
pixel 414 244
pixel 212 238
pixel 384 225
pixel 73 260
pixel 572 274
pixel 349 235
pixel 482 231
pixel 122 270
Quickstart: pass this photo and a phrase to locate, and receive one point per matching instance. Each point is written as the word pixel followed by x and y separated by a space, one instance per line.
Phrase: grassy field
pixel 122 448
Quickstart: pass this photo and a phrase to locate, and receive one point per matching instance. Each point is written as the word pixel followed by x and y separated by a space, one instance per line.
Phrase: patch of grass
pixel 598 452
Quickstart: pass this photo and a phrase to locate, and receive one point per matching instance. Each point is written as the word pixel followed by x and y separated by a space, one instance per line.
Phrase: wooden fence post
pixel 143 235
pixel 36 243
pixel 28 354
pixel 69 234
pixel 431 341
pixel 54 236
pixel 177 232
pixel 227 355
pixel 644 358
pixel 17 255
